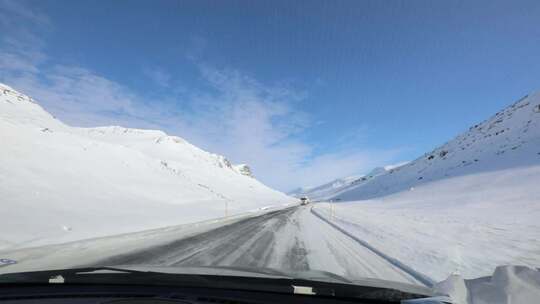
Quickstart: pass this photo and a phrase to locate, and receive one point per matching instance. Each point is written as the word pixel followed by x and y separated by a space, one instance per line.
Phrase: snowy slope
pixel 60 183
pixel 466 207
pixel 509 139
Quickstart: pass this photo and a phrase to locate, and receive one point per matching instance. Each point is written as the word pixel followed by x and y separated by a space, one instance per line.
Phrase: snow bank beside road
pixel 467 225
pixel 508 284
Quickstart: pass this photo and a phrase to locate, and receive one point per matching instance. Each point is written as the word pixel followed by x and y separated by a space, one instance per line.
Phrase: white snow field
pixel 59 183
pixel 465 208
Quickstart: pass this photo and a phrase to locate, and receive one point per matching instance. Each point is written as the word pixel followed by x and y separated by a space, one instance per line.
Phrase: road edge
pixel 424 279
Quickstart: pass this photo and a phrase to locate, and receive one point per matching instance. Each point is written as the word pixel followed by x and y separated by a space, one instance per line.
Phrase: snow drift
pixel 507 285
pixel 59 183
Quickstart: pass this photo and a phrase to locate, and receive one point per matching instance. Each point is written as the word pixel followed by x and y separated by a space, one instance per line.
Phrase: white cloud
pixel 21 27
pixel 159 76
pixel 18 12
pixel 16 63
pixel 80 97
pixel 257 124
pixel 20 42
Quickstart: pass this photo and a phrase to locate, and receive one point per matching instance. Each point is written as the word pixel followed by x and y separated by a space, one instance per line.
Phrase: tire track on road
pixel 247 243
pixel 290 240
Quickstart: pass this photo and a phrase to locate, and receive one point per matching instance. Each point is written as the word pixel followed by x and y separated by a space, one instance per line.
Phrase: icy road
pixel 290 239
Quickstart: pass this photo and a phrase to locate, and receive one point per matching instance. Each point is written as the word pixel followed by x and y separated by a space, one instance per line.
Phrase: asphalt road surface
pixel 291 239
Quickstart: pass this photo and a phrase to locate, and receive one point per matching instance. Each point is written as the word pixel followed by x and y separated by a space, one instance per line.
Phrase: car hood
pixel 308 275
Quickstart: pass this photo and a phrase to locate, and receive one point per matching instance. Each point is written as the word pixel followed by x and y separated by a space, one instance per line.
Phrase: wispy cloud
pixel 20 42
pixel 19 12
pixel 81 97
pixel 159 76
pixel 259 124
pixel 237 115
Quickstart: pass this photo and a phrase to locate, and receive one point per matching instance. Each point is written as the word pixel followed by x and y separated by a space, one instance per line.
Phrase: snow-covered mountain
pixel 509 139
pixel 60 183
pixel 326 190
pixel 329 190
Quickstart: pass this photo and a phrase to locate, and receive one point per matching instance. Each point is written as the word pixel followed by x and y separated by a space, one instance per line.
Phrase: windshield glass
pixel 331 140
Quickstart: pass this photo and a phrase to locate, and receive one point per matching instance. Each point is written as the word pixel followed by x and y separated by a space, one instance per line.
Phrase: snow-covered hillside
pixel 60 183
pixel 466 207
pixel 509 139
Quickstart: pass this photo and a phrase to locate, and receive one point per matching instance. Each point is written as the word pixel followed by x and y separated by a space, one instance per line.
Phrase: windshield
pixel 333 140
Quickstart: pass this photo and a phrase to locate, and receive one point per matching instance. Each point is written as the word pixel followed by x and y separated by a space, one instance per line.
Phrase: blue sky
pixel 303 91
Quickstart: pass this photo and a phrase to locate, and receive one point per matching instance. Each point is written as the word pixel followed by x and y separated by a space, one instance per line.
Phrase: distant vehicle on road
pixel 304 200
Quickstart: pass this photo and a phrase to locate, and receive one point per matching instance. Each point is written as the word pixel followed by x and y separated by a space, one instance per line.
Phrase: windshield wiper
pixel 275 281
